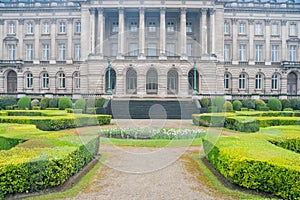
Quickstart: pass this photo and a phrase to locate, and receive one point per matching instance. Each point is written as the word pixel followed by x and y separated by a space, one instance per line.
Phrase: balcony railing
pixel 11 62
pixel 288 64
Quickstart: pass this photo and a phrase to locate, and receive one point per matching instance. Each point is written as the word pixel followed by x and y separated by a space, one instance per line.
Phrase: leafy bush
pixel 80 104
pixel 248 103
pixel 244 109
pixel 259 104
pixel 53 103
pixel 242 124
pixel 295 104
pixel 64 103
pixel 52 109
pixel 44 103
pixel 24 103
pixel 35 102
pixel 90 103
pixel 99 102
pixel 219 102
pixel 205 102
pixel 7 101
pixel 274 104
pixel 285 103
pixel 237 105
pixel 91 110
pixel 288 109
pixel 212 109
pixel 211 119
pixel 36 108
pixel 228 107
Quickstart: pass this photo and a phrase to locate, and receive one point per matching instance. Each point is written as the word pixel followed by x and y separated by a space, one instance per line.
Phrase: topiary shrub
pixel 205 102
pixel 34 103
pixel 248 103
pixel 24 103
pixel 274 104
pixel 237 105
pixel 80 104
pixel 90 103
pixel 36 108
pixel 7 101
pixel 64 103
pixel 259 104
pixel 228 106
pixel 285 103
pixel 99 102
pixel 219 102
pixel 288 109
pixel 295 104
pixel 44 103
pixel 53 103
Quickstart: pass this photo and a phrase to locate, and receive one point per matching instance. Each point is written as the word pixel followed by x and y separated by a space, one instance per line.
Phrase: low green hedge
pixel 242 124
pixel 292 144
pixel 8 143
pixel 277 121
pixel 251 161
pixel 213 120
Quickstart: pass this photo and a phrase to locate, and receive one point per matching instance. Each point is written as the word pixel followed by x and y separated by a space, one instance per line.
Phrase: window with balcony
pixel 77 27
pixel 242 52
pixel 275 29
pixel 11 51
pixel 275 53
pixel 29 52
pixel 293 29
pixel 45 52
pixel 170 49
pixel 29 80
pixel 62 27
pixel 114 49
pixel 293 52
pixel 151 27
pixel 77 52
pixel 133 27
pixel 11 28
pixel 258 29
pixel 226 52
pixel 133 49
pixel 226 28
pixel 258 53
pixel 152 50
pixel 242 28
pixel 62 52
pixel 45 28
pixel 45 80
pixel 189 27
pixel 170 27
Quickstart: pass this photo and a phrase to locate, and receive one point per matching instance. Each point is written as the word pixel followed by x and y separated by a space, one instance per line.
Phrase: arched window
pixel 12 81
pixel 172 84
pixel 275 82
pixel 292 83
pixel 61 80
pixel 227 80
pixel 29 80
pixel 192 80
pixel 258 81
pixel 76 80
pixel 152 82
pixel 45 80
pixel 131 81
pixel 113 80
pixel 242 81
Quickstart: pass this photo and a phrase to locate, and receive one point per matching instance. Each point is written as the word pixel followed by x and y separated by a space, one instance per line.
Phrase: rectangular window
pixel 189 27
pixel 45 52
pixel 293 30
pixel 29 52
pixel 133 27
pixel 226 28
pixel 11 52
pixel 275 53
pixel 133 49
pixel 115 27
pixel 258 29
pixel 62 27
pixel 152 49
pixel 29 28
pixel 45 28
pixel 152 27
pixel 189 49
pixel 77 27
pixel 77 52
pixel 242 52
pixel 114 49
pixel 61 52
pixel 242 28
pixel 170 27
pixel 170 49
pixel 258 53
pixel 293 52
pixel 275 29
pixel 11 28
pixel 226 52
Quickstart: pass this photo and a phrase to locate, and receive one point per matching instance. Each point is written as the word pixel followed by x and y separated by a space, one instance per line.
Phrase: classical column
pixel 183 34
pixel 251 43
pixel 162 35
pixel 142 34
pixel 121 34
pixel 101 22
pixel 283 40
pixel 53 43
pixel 85 33
pixel 234 42
pixel 1 41
pixel 20 36
pixel 204 31
pixel 69 46
pixel 92 29
pixel 213 31
pixel 268 46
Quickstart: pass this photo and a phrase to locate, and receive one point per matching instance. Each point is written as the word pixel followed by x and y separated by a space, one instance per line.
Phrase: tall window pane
pixel 29 80
pixel 226 28
pixel 76 80
pixel 242 28
pixel 170 49
pixel 274 82
pixel 242 81
pixel 45 52
pixel 45 28
pixel 242 52
pixel 293 52
pixel 152 49
pixel 227 52
pixel 29 28
pixel 258 53
pixel 29 52
pixel 258 29
pixel 227 81
pixel 258 82
pixel 77 27
pixel 61 80
pixel 62 52
pixel 11 51
pixel 11 28
pixel 62 27
pixel 293 30
pixel 275 29
pixel 77 52
pixel 275 53
pixel 133 49
pixel 45 80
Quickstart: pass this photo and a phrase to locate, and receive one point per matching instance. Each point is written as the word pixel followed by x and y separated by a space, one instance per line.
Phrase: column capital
pixel 251 21
pixel 100 11
pixel 162 10
pixel 234 21
pixel 142 10
pixel 183 11
pixel 267 21
pixel 92 11
pixel 212 11
pixel 53 21
pixel 121 10
pixel 70 20
pixel 1 21
pixel 21 21
pixel 283 22
pixel 204 11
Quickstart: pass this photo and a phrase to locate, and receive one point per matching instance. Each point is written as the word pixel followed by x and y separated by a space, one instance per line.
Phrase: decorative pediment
pixel 294 40
pixel 11 39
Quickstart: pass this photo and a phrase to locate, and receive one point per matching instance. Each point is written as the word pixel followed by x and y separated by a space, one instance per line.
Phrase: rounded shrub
pixel 259 104
pixel 295 104
pixel 205 102
pixel 24 103
pixel 34 103
pixel 80 104
pixel 274 104
pixel 237 105
pixel 227 107
pixel 53 103
pixel 44 103
pixel 7 101
pixel 285 103
pixel 219 103
pixel 99 102
pixel 248 103
pixel 64 103
pixel 288 109
pixel 90 103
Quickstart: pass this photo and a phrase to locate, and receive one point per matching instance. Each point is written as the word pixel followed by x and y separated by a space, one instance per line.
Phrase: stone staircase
pixel 152 109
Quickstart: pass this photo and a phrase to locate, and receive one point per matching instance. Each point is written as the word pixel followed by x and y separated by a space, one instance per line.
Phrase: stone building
pixel 155 48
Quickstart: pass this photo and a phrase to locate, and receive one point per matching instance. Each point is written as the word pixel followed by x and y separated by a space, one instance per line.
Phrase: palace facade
pixel 155 48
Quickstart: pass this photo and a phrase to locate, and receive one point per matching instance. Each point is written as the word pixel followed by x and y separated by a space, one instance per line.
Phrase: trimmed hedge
pixel 213 120
pixel 242 124
pixel 274 104
pixel 24 103
pixel 237 105
pixel 8 143
pixel 252 162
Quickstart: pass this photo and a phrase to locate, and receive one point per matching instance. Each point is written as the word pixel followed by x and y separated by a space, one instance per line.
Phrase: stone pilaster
pixel 142 34
pixel 92 30
pixel 234 42
pixel 101 24
pixel 213 31
pixel 121 34
pixel 204 31
pixel 53 42
pixel 183 55
pixel 1 39
pixel 283 40
pixel 251 42
pixel 268 45
pixel 70 43
pixel 36 46
pixel 20 36
pixel 85 33
pixel 162 47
